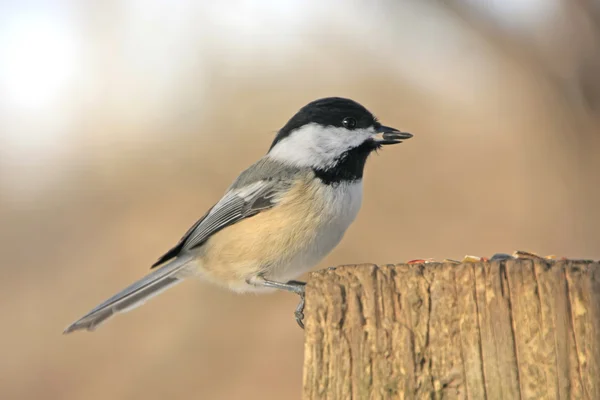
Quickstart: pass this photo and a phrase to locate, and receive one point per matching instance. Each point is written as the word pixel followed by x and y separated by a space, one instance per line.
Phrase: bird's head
pixel 330 132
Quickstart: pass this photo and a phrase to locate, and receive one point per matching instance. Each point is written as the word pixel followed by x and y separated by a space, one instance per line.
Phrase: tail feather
pixel 133 296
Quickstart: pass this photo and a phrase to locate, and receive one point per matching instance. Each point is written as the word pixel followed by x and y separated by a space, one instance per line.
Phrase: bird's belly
pixel 284 242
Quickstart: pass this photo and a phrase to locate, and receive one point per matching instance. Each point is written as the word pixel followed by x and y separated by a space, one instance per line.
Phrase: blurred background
pixel 121 122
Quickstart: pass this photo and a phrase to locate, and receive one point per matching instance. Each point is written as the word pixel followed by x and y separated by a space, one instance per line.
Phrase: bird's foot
pixel 299 313
pixel 290 286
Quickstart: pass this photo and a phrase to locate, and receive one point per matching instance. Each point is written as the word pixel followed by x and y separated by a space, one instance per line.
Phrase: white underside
pixel 342 205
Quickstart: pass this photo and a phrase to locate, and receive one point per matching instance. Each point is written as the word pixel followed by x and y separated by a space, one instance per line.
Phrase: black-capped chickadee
pixel 280 217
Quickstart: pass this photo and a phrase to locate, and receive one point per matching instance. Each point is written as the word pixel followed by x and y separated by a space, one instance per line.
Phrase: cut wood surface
pixel 515 329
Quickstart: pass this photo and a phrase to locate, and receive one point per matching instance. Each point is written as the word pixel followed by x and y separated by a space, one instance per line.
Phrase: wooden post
pixel 516 329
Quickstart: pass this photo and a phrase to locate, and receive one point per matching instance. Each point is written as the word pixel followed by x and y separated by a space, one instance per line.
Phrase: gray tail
pixel 133 296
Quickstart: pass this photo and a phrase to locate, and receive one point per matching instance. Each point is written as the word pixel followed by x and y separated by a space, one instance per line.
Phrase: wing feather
pixel 236 205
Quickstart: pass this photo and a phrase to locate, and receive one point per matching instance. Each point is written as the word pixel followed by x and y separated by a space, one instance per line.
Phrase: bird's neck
pixel 349 167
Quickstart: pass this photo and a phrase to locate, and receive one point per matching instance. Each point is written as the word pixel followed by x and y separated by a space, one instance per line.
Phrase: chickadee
pixel 280 217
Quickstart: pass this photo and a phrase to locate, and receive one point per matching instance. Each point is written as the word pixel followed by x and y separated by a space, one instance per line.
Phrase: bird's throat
pixel 348 167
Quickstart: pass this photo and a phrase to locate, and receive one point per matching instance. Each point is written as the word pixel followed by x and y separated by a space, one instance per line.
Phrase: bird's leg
pixel 291 286
pixel 299 313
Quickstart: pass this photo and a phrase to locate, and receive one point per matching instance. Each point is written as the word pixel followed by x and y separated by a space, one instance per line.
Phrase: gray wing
pixel 238 203
pixel 241 201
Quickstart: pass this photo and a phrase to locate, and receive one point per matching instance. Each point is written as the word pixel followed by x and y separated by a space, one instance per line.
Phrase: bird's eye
pixel 349 123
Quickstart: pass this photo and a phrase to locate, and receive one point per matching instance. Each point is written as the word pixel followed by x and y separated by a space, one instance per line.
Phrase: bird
pixel 279 218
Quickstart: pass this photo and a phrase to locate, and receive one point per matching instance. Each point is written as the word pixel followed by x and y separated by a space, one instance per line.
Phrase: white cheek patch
pixel 314 145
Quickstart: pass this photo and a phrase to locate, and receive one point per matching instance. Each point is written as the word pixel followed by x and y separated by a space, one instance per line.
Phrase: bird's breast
pixel 285 241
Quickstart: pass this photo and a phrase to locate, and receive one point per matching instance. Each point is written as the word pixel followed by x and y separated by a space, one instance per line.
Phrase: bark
pixel 517 329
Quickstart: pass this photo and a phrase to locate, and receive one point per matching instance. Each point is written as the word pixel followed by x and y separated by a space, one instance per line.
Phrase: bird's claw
pixel 299 313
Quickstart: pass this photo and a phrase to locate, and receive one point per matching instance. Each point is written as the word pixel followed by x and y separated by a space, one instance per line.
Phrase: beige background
pixel 122 122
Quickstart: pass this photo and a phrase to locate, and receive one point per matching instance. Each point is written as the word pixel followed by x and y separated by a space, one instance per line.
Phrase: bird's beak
pixel 387 135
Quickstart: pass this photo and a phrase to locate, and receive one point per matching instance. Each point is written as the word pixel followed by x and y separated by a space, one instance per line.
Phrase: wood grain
pixel 516 329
